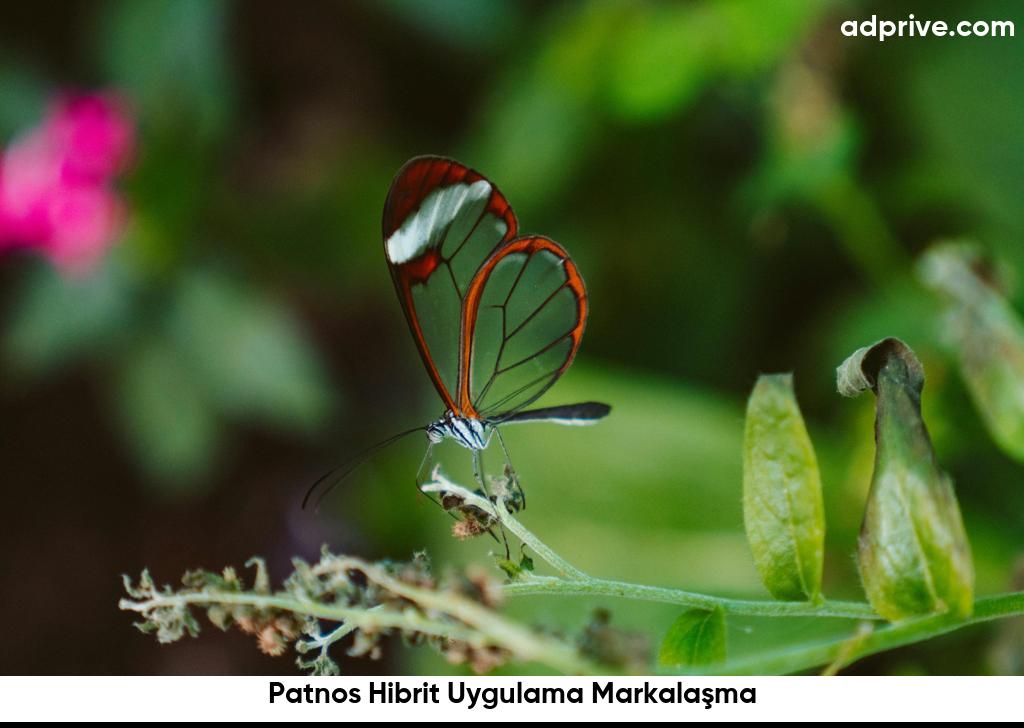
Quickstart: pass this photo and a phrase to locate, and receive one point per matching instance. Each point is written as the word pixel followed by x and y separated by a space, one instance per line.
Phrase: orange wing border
pixel 471 304
pixel 416 179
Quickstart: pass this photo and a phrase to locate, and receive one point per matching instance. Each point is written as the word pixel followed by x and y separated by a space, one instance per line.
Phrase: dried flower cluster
pixel 370 602
pixel 471 520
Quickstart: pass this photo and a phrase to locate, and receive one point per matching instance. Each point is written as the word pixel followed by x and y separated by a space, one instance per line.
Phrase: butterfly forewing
pixel 441 222
pixel 523 321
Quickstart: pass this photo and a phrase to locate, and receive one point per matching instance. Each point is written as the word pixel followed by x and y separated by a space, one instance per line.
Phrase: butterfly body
pixel 469 432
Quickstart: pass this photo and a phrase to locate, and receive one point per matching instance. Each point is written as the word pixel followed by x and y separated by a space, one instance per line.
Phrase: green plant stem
pixel 442 484
pixel 323 641
pixel 523 642
pixel 868 639
pixel 543 550
pixel 591 586
pixel 846 650
pixel 574 582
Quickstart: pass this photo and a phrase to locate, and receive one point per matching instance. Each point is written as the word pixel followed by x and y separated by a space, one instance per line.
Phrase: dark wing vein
pixel 539 352
pixel 451 274
pixel 505 336
pixel 480 217
pixel 508 333
pixel 539 308
pixel 515 393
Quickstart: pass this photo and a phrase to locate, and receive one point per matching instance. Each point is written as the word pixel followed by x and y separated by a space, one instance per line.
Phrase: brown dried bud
pixel 463 530
pixel 271 641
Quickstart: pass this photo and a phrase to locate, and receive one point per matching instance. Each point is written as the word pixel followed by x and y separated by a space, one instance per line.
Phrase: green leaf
pixel 755 34
pixel 248 354
pixel 23 95
pixel 696 638
pixel 987 336
pixel 168 421
pixel 540 123
pixel 511 568
pixel 57 319
pixel 782 501
pixel 664 55
pixel 660 59
pixel 171 57
pixel 913 552
pixel 463 24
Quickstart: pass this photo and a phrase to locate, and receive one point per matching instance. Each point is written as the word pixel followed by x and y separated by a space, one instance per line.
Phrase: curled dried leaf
pixel 860 370
pixel 913 552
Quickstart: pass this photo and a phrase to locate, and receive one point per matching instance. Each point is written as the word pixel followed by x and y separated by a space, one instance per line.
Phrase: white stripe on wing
pixel 436 212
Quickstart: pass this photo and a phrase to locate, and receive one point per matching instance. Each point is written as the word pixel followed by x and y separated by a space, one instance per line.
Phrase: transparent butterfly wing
pixel 441 222
pixel 522 325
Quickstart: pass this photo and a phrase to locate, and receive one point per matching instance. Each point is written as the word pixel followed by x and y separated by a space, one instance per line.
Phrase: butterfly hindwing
pixel 442 220
pixel 523 322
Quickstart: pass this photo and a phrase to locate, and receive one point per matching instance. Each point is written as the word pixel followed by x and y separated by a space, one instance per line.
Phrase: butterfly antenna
pixel 336 475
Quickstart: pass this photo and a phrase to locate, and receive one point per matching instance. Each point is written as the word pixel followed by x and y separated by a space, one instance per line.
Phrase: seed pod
pixel 782 503
pixel 913 552
pixel 987 336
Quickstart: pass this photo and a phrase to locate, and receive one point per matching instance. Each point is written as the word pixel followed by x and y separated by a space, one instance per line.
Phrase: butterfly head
pixel 467 431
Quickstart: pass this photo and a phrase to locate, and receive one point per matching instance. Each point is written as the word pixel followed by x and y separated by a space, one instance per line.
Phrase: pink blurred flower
pixel 56 181
pixel 97 133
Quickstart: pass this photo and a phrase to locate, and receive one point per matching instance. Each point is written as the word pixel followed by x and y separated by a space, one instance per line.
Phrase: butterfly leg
pixel 512 476
pixel 478 473
pixel 425 465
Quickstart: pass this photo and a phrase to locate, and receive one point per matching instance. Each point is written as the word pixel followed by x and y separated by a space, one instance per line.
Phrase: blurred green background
pixel 744 189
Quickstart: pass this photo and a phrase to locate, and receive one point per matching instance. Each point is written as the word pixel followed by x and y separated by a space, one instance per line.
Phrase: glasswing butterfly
pixel 497 316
